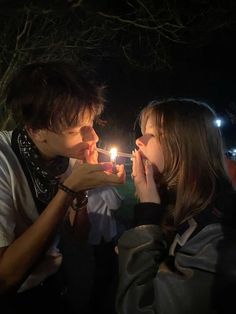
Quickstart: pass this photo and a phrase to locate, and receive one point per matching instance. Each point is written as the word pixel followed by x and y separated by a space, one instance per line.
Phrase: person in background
pixel 102 203
pixel 93 247
pixel 104 231
pixel 231 168
pixel 46 167
pixel 180 255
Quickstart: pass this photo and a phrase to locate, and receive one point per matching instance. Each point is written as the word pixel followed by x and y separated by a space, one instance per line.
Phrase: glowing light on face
pixel 113 154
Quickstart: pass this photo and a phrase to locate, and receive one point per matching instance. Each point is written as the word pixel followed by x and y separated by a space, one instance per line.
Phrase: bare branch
pixel 138 25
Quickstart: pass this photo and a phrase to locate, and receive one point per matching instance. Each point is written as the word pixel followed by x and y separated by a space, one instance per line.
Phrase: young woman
pixel 180 257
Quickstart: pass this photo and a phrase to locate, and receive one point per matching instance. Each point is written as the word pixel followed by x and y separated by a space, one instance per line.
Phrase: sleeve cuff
pixel 148 214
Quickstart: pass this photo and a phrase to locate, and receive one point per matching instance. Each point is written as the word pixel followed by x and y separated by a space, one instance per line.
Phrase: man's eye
pixel 74 132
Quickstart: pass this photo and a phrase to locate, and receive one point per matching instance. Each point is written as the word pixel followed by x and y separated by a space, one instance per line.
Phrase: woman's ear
pixel 38 135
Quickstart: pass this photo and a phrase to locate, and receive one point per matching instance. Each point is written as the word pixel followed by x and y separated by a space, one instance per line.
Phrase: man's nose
pixel 95 136
pixel 90 136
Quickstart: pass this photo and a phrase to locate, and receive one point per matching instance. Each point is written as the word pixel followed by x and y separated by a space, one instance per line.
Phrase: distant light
pixel 232 152
pixel 218 122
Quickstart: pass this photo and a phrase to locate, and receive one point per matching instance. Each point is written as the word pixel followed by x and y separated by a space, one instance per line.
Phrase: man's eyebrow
pixel 72 130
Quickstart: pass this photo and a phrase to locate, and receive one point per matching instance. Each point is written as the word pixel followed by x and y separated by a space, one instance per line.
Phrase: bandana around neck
pixel 42 175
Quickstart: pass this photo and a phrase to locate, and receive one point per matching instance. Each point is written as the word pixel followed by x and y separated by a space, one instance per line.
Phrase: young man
pixel 54 108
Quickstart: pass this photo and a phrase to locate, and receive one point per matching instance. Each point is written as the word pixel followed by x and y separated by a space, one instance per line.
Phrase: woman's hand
pixel 144 181
pixel 87 176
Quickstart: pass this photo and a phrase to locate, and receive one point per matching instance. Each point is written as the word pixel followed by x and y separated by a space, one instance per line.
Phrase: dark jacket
pixel 195 274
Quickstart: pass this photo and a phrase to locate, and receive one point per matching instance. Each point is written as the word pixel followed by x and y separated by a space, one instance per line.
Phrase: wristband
pixel 67 190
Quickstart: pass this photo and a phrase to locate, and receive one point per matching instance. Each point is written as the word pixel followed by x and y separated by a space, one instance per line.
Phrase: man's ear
pixel 38 135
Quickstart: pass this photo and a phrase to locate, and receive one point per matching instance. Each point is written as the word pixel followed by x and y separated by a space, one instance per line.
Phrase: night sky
pixel 206 73
pixel 201 66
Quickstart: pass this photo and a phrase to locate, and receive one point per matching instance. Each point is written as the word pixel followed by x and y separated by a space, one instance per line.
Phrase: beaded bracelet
pixel 67 190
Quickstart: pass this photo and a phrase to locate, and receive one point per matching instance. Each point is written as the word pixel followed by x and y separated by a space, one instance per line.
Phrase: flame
pixel 113 154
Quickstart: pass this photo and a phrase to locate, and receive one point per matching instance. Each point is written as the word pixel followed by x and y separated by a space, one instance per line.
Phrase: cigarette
pixel 125 155
pixel 107 152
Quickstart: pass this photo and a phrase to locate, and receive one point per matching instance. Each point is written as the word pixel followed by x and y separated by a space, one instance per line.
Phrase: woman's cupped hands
pixel 143 177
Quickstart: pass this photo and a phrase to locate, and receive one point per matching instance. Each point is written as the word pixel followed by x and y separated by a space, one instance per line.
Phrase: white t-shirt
pixel 18 210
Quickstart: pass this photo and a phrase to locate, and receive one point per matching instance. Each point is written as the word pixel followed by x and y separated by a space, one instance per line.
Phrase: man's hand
pixel 87 176
pixel 91 154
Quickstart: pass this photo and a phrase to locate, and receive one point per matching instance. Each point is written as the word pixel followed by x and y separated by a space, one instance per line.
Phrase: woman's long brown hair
pixel 194 170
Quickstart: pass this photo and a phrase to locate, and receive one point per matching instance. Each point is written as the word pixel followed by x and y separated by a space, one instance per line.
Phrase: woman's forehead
pixel 147 125
pixel 149 122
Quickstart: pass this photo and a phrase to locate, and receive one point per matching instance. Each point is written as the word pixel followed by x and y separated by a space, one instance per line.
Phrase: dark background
pixel 205 73
pixel 116 42
pixel 140 49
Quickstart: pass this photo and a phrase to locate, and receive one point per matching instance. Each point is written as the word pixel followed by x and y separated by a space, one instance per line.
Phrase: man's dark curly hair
pixel 52 96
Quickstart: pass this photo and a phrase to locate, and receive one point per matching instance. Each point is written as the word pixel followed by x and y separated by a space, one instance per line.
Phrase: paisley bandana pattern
pixel 42 175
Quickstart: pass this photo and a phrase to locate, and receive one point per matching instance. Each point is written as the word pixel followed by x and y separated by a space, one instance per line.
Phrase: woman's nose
pixel 139 141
